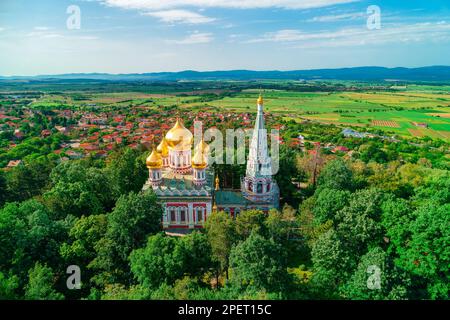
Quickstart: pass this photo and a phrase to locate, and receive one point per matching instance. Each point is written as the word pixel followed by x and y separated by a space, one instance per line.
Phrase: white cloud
pixel 45 34
pixel 195 38
pixel 41 28
pixel 393 33
pixel 236 4
pixel 338 17
pixel 180 16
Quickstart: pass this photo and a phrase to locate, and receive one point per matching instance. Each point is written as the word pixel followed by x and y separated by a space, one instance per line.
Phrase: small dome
pixel 260 100
pixel 154 160
pixel 163 148
pixel 203 146
pixel 179 137
pixel 199 161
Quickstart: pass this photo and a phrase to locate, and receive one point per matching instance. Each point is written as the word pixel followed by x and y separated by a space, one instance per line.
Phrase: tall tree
pixel 428 250
pixel 79 189
pixel 8 287
pixel 27 181
pixel 336 175
pixel 196 252
pixel 332 264
pixel 281 226
pixel 376 278
pixel 259 264
pixel 287 174
pixel 127 171
pixel 358 224
pixel 28 233
pixel 3 189
pixel 250 220
pixel 220 229
pixel 158 262
pixel 328 203
pixel 135 217
pixel 83 236
pixel 41 284
pixel 79 249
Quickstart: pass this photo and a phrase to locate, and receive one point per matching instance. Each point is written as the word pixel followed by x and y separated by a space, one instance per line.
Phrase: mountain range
pixel 432 73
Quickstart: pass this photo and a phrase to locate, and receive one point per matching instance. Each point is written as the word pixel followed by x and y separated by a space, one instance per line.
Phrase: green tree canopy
pixel 28 233
pixel 83 237
pixel 428 250
pixel 135 217
pixel 260 264
pixel 376 278
pixel 127 171
pixel 3 189
pixel 249 220
pixel 328 203
pixel 220 230
pixel 8 287
pixel 196 252
pixel 332 264
pixel 41 284
pixel 158 262
pixel 79 189
pixel 336 175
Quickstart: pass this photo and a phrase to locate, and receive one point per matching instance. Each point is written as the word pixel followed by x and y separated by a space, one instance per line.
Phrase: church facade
pixel 188 189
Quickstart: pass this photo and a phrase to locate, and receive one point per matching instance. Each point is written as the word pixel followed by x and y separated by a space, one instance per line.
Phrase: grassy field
pixel 396 111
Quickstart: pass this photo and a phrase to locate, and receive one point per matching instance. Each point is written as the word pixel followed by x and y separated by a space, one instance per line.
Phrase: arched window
pixel 259 188
pixel 173 215
pixel 183 215
pixel 199 214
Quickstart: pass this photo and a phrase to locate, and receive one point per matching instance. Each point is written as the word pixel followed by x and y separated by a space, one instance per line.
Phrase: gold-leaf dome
pixel 199 160
pixel 163 148
pixel 260 100
pixel 179 137
pixel 203 146
pixel 154 160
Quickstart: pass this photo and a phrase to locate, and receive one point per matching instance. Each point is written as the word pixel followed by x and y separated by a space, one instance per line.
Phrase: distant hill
pixel 433 73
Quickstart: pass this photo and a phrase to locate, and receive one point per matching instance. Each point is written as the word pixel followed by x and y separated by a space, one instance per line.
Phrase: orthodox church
pixel 186 186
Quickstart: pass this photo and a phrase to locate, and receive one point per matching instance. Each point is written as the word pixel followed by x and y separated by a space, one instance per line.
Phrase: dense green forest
pixel 369 216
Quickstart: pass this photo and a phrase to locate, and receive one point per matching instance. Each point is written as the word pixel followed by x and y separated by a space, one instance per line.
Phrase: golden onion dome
pixel 260 100
pixel 163 148
pixel 203 146
pixel 179 137
pixel 154 160
pixel 199 160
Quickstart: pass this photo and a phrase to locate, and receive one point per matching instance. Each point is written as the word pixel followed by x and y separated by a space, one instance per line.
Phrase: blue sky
pixel 136 36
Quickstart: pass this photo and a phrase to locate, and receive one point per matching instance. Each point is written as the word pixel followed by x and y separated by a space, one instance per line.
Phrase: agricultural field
pixel 409 111
pixel 393 112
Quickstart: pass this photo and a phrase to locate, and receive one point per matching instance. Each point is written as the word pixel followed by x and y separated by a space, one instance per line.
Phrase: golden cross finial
pixel 217 183
pixel 260 99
